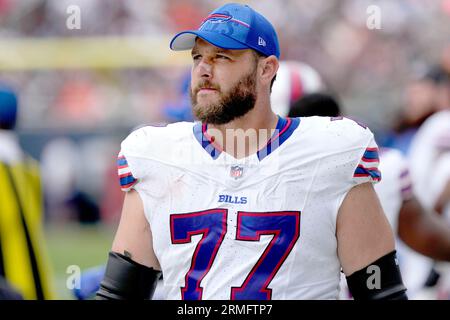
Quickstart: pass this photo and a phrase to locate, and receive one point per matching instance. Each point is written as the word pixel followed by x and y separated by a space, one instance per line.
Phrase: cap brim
pixel 186 40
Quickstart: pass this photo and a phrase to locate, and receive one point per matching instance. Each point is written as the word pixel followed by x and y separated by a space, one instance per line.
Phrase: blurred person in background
pixel 430 168
pixel 413 225
pixel 180 110
pixel 423 97
pixel 23 261
pixel 65 198
pixel 430 154
pixel 294 79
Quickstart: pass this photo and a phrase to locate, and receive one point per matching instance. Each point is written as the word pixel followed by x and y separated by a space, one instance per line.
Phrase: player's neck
pixel 248 134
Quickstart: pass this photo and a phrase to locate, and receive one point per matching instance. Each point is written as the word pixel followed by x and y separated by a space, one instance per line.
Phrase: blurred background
pixel 82 90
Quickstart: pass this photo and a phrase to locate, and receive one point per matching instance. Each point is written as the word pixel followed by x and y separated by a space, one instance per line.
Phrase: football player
pixel 430 170
pixel 24 262
pixel 273 217
pixel 424 232
pixel 430 150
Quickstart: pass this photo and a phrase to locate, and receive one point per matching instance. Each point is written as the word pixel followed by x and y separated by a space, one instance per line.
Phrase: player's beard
pixel 235 103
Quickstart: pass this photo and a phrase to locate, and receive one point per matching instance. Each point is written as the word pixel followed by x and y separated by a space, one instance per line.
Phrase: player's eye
pixel 221 56
pixel 196 57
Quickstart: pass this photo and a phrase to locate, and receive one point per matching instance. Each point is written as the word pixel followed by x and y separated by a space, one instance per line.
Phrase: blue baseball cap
pixel 232 26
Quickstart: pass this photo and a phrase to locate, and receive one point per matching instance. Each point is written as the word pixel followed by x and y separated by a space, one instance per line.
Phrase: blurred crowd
pixel 369 68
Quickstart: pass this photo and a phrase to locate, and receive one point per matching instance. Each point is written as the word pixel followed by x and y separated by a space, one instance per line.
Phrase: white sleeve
pixel 126 178
pixel 367 167
pixel 134 164
pixel 360 167
pixel 352 158
pixel 441 178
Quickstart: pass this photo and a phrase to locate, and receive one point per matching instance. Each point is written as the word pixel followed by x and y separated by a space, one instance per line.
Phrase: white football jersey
pixel 430 169
pixel 429 152
pixel 442 166
pixel 396 185
pixel 10 151
pixel 395 188
pixel 261 227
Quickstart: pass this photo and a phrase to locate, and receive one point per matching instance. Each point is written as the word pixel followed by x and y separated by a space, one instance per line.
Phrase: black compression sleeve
pixel 381 280
pixel 126 279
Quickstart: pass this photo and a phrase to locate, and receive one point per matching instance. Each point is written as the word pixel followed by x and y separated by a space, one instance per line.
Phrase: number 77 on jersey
pixel 212 225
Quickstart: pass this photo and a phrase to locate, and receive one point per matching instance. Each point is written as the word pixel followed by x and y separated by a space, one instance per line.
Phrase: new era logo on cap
pixel 232 26
pixel 261 42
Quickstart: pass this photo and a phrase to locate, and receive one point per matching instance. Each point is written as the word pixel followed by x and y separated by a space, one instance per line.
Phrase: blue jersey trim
pixel 285 128
pixel 206 144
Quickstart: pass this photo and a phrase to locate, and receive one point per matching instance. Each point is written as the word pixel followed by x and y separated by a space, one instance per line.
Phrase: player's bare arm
pixel 424 232
pixel 132 259
pixel 365 238
pixel 363 232
pixel 133 236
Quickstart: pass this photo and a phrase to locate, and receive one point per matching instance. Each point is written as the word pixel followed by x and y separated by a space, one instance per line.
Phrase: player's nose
pixel 204 69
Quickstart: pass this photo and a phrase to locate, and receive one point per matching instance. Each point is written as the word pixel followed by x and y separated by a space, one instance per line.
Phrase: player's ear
pixel 268 69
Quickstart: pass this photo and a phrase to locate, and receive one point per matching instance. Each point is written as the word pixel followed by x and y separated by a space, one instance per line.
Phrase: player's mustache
pixel 206 84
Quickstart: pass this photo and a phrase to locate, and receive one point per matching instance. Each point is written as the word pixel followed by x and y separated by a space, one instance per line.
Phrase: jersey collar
pixel 285 128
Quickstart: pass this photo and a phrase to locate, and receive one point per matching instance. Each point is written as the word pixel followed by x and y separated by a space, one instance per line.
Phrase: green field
pixel 75 244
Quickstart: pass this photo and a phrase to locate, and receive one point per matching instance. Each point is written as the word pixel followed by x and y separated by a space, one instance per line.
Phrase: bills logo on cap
pixel 236 172
pixel 217 18
pixel 222 18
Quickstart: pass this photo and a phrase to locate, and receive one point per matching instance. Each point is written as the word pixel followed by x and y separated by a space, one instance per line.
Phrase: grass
pixel 75 244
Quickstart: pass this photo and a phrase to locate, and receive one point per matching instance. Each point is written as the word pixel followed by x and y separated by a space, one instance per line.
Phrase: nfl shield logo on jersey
pixel 236 171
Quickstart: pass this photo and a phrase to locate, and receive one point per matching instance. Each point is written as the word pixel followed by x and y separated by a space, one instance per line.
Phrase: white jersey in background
pixel 395 188
pixel 430 168
pixel 429 159
pixel 262 227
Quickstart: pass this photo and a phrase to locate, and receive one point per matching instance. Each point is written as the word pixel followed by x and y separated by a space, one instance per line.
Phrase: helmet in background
pixel 294 79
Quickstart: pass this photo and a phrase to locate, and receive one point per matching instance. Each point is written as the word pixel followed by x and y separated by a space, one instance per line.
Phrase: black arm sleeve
pixel 381 280
pixel 126 279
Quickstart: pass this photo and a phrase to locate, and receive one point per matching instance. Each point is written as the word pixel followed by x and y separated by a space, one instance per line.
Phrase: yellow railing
pixel 88 53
